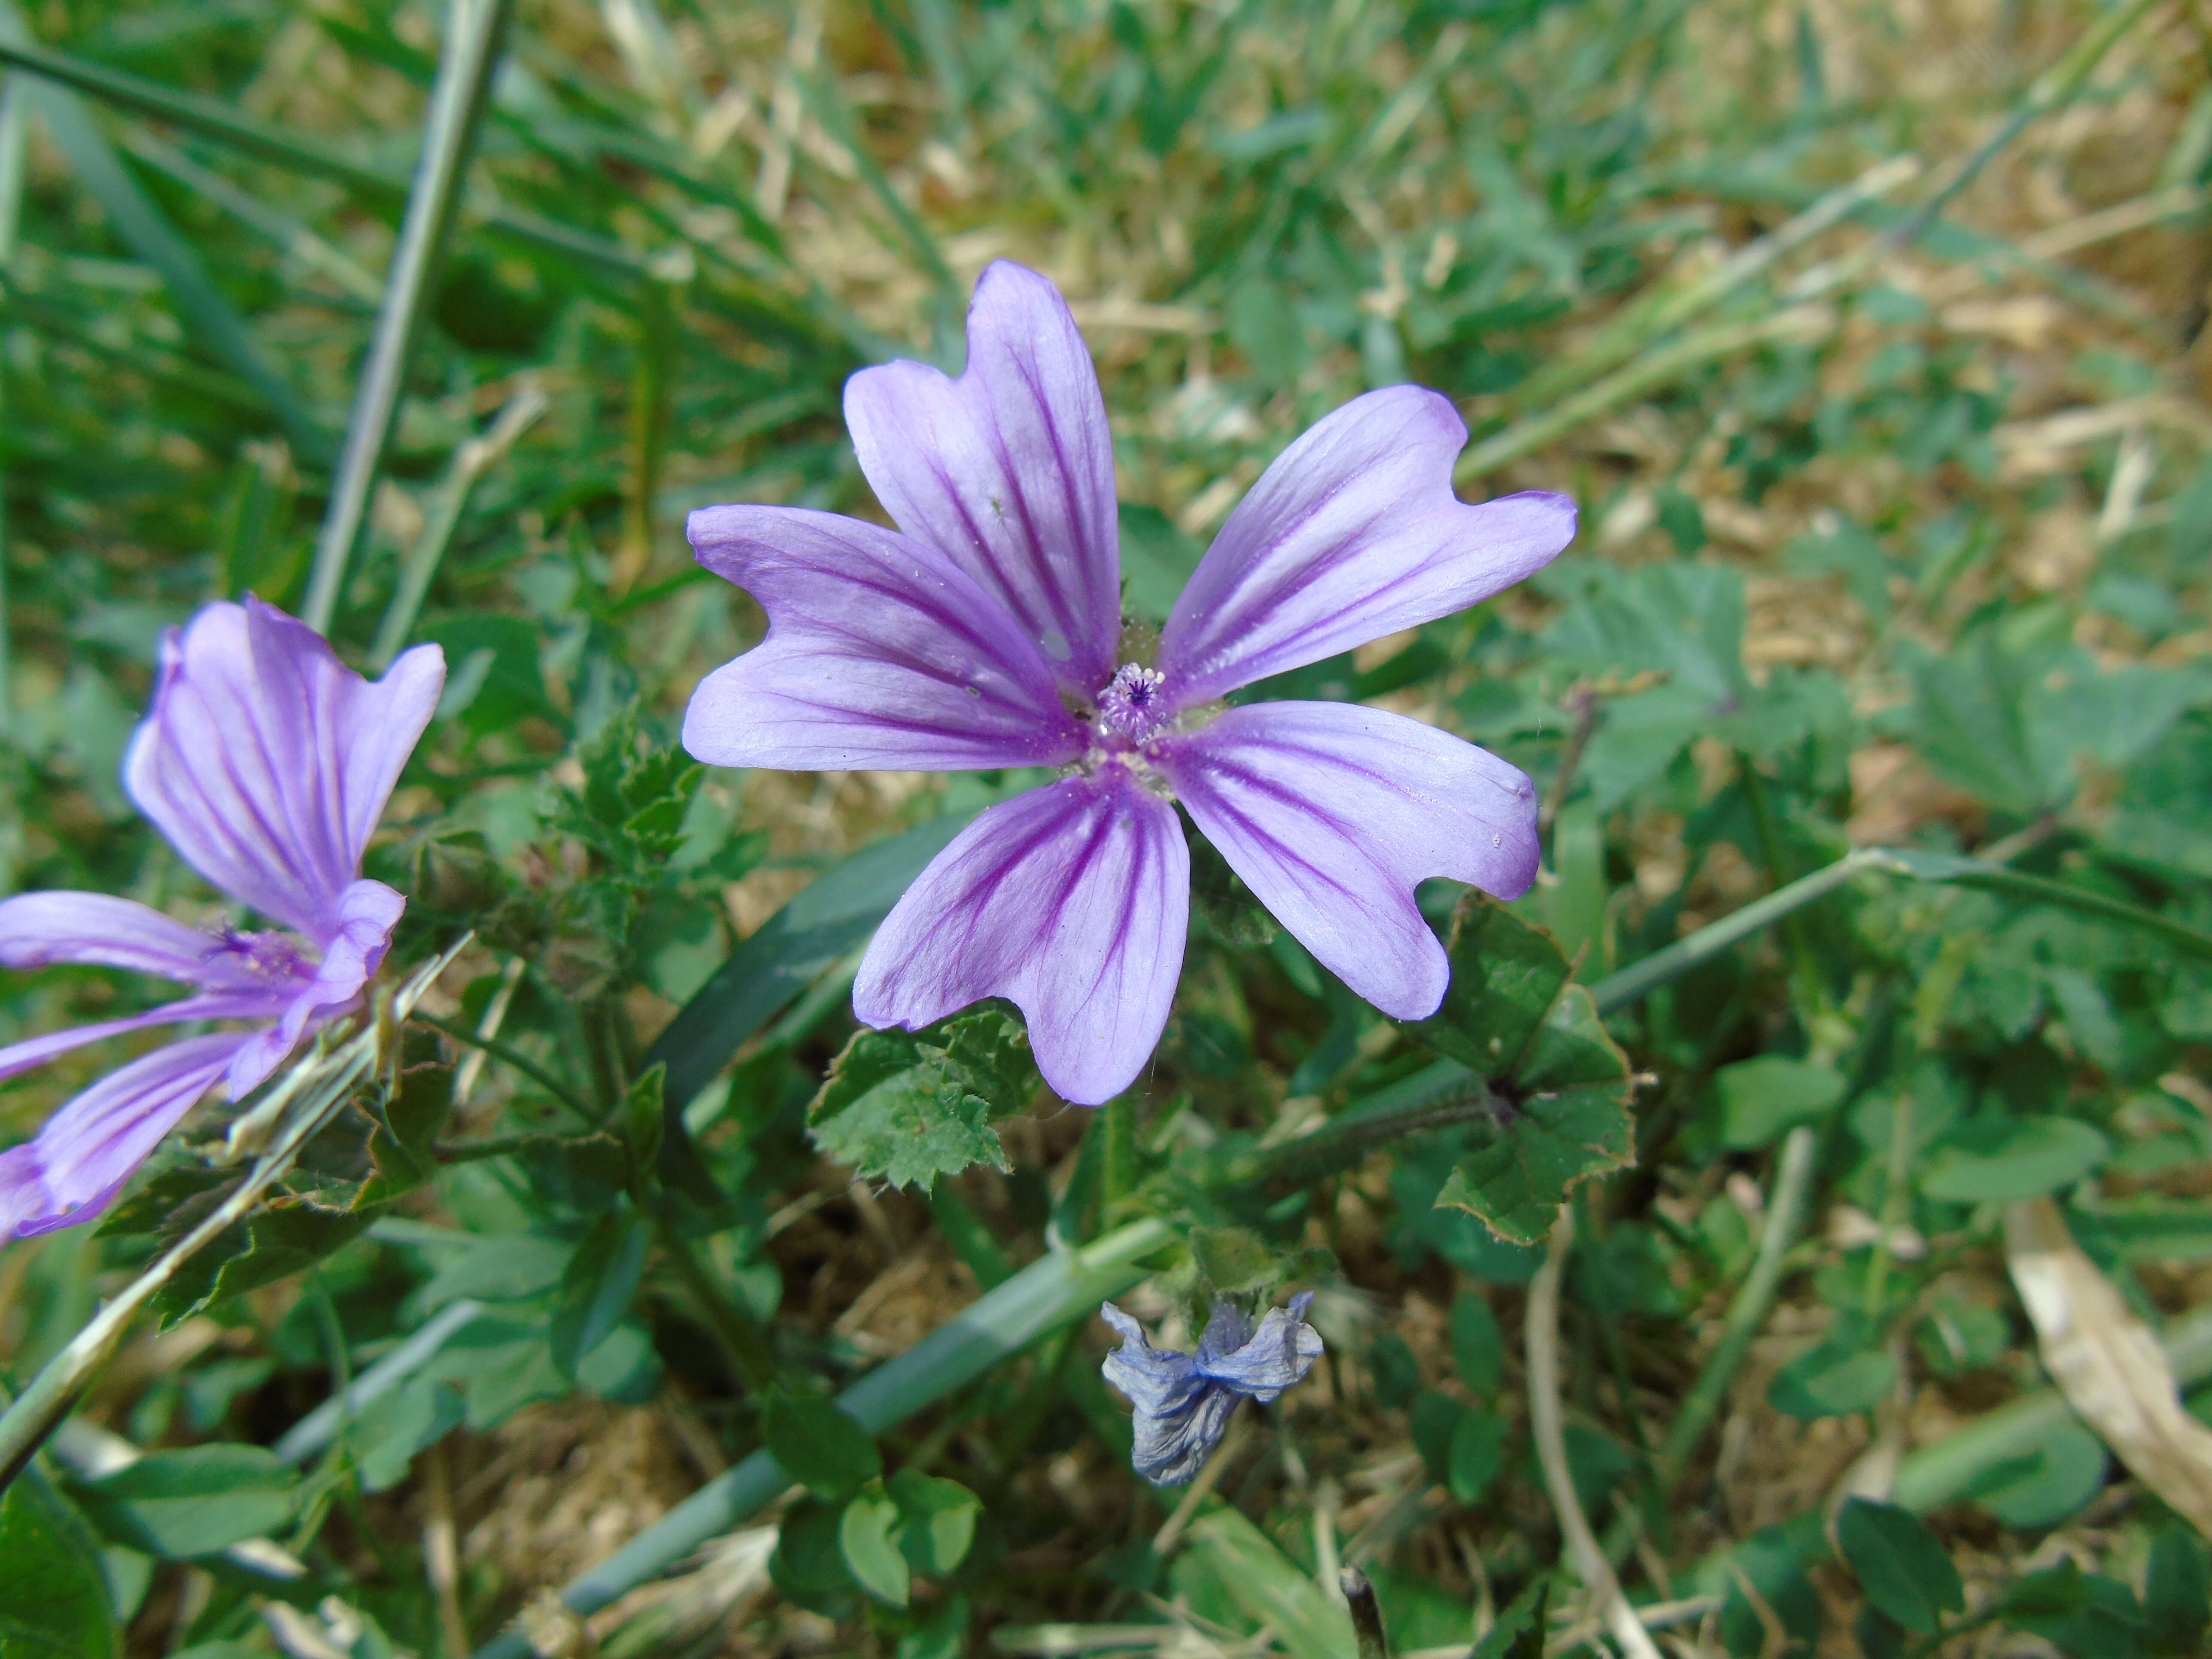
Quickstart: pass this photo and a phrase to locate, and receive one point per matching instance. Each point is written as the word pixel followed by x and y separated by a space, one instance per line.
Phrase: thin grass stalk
pixel 1063 1286
pixel 1624 334
pixel 474 31
pixel 1548 1426
pixel 1785 1214
pixel 313 1091
pixel 471 462
pixel 1799 325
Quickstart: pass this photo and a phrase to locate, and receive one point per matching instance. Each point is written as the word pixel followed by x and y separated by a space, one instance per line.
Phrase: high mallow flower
pixel 990 635
pixel 266 763
pixel 1182 1401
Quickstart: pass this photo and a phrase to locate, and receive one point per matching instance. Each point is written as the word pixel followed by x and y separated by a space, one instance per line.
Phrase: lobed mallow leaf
pixel 1563 1084
pixel 907 1107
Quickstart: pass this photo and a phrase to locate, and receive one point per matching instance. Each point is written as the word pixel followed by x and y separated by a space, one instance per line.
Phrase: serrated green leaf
pixel 401 1145
pixel 907 1108
pixel 53 1597
pixel 1569 1123
pixel 1505 975
pixel 866 1535
pixel 1900 1564
pixel 288 1237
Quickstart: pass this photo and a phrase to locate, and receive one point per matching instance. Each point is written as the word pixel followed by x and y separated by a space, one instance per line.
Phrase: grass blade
pixel 147 233
pixel 472 43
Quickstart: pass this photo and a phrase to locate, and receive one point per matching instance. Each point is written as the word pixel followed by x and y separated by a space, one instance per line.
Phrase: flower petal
pixel 1071 901
pixel 1352 533
pixel 366 912
pixel 879 653
pixel 1177 1415
pixel 267 761
pixel 1009 469
pixel 81 1160
pixel 37 930
pixel 1333 812
pixel 213 1004
pixel 1279 1353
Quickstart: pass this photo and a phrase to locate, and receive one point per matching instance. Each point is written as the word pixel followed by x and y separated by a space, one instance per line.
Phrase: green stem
pixel 1777 872
pixel 1456 1097
pixel 474 29
pixel 508 1056
pixel 469 463
pixel 1118 1125
pixel 1638 979
pixel 744 1342
pixel 1062 1288
pixel 1747 1312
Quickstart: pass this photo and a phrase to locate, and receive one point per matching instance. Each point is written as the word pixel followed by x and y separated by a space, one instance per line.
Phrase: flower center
pixel 265 955
pixel 1130 702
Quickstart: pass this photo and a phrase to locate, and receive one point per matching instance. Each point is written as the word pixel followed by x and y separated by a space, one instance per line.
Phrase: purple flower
pixel 266 762
pixel 990 635
pixel 1183 1402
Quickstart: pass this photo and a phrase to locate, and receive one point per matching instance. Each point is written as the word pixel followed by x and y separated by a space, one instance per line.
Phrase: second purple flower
pixel 990 635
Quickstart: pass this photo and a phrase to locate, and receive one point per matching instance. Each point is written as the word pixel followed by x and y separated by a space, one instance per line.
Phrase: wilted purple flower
pixel 990 635
pixel 266 762
pixel 1183 1402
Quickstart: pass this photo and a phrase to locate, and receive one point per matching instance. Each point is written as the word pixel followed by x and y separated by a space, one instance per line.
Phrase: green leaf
pixel 1833 1380
pixel 286 1237
pixel 2048 1480
pixel 193 1502
pixel 1510 1016
pixel 908 1107
pixel 809 1566
pixel 1900 1565
pixel 866 1535
pixel 1476 1454
pixel 1761 1099
pixel 53 1596
pixel 401 1145
pixel 1478 1346
pixel 397 1426
pixel 1570 1123
pixel 819 1444
pixel 2107 1624
pixel 2177 1592
pixel 1505 977
pixel 596 1290
pixel 940 1636
pixel 1995 1160
pixel 1519 1630
pixel 937 1520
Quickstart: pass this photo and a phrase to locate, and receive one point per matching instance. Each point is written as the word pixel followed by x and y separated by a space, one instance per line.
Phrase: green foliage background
pixel 1868 339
